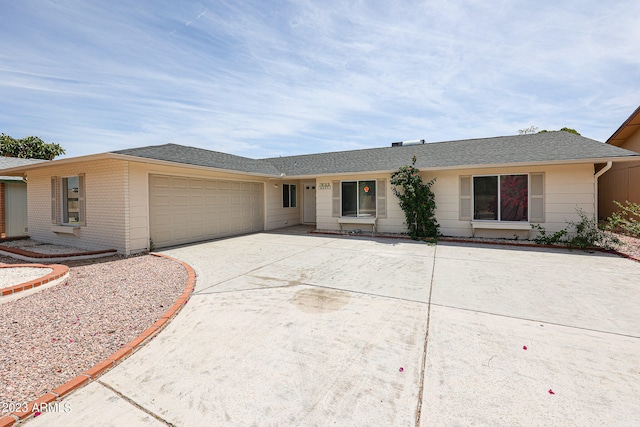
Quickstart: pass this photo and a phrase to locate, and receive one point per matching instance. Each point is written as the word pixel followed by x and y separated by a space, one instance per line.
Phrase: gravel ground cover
pixel 629 245
pixel 39 247
pixel 18 275
pixel 53 335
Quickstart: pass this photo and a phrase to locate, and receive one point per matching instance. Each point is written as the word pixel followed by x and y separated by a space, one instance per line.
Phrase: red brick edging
pixel 539 245
pixel 37 255
pixel 112 360
pixel 482 242
pixel 58 271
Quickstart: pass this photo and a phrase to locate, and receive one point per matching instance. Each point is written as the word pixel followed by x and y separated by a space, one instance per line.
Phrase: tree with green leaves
pixel 416 200
pixel 565 129
pixel 30 147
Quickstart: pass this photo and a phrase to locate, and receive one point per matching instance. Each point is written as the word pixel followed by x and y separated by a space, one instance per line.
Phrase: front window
pixel 359 198
pixel 501 197
pixel 70 201
pixel 289 196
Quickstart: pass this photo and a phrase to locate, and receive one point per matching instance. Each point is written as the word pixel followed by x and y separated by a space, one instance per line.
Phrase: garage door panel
pixel 179 182
pixel 180 218
pixel 163 219
pixel 196 218
pixel 196 184
pixel 162 182
pixel 184 210
pixel 197 200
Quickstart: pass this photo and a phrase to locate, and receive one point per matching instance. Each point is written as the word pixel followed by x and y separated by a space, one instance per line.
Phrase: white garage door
pixel 184 210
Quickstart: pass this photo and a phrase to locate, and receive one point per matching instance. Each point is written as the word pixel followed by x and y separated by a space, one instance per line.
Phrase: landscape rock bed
pixel 55 334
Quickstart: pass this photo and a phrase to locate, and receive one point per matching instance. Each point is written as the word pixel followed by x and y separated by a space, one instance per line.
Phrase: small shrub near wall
pixel 581 234
pixel 626 220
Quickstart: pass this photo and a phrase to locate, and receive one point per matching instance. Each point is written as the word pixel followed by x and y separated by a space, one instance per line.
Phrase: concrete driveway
pixel 315 330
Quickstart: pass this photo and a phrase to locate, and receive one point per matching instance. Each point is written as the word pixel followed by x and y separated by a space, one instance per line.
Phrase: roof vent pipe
pixel 405 143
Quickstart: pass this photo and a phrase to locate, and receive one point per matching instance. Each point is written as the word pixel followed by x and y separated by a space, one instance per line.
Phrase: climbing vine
pixel 416 200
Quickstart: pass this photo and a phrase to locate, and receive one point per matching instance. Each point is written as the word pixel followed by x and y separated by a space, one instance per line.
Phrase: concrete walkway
pixel 316 330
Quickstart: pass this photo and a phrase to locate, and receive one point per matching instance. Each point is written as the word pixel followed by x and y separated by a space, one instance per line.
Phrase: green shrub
pixel 416 200
pixel 588 234
pixel 544 239
pixel 626 220
pixel 582 234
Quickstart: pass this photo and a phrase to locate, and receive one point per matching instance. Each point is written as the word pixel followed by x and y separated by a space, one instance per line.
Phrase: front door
pixel 309 196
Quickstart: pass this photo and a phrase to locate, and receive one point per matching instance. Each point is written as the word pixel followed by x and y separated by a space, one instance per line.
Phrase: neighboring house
pixel 13 199
pixel 172 194
pixel 622 181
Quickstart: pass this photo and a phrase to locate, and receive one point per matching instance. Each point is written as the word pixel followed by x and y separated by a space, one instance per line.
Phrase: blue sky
pixel 269 78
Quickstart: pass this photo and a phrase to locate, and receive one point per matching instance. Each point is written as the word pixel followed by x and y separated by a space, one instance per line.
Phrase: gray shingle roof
pixel 521 149
pixel 532 148
pixel 11 162
pixel 201 157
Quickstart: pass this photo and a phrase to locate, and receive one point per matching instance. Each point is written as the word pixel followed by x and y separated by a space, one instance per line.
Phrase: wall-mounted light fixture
pixel 275 185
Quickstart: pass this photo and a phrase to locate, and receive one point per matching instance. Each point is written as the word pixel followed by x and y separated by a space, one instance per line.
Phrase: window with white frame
pixel 289 196
pixel 358 198
pixel 501 197
pixel 68 200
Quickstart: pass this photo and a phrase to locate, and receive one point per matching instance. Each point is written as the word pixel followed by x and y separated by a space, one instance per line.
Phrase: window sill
pixel 499 225
pixel 502 225
pixel 66 229
pixel 358 220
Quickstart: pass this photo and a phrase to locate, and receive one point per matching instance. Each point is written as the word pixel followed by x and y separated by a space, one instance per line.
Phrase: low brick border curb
pixel 481 242
pixel 59 271
pixel 111 361
pixel 539 245
pixel 37 255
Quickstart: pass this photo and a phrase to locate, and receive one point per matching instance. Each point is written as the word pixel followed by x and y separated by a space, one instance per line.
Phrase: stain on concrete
pixel 318 300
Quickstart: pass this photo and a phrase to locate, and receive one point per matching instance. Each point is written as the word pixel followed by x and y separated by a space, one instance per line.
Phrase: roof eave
pixel 190 166
pixel 478 166
pixel 23 168
pixel 20 170
pixel 633 120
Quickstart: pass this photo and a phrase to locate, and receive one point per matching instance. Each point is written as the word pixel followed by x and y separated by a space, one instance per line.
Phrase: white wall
pixel 106 204
pixel 566 186
pixel 117 202
pixel 276 215
pixel 393 223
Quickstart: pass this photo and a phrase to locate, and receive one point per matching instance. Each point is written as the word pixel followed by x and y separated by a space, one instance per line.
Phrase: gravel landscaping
pixel 53 335
pixel 39 247
pixel 18 275
pixel 629 245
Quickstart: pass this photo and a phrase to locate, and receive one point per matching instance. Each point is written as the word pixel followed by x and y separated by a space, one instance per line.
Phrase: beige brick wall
pixel 106 207
pixel 393 223
pixel 566 186
pixel 276 215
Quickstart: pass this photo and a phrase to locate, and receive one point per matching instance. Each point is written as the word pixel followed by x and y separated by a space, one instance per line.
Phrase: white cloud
pixel 260 79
